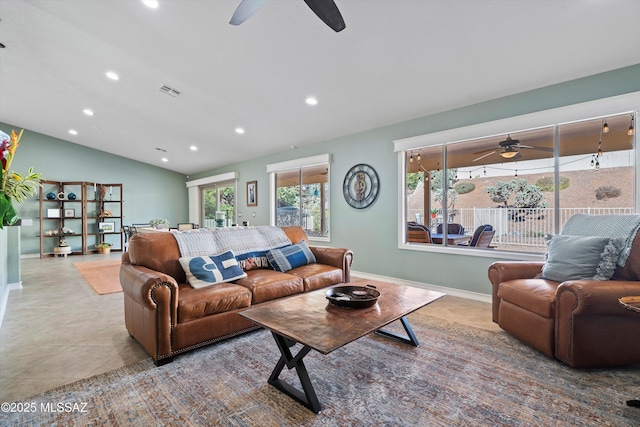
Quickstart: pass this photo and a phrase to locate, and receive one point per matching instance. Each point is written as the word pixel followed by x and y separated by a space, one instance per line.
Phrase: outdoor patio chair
pixel 452 228
pixel 418 233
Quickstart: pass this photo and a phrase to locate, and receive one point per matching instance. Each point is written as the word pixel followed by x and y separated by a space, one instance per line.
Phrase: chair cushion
pixel 581 257
pixel 535 295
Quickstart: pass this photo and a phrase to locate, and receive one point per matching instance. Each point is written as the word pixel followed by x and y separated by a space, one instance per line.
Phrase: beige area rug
pixel 103 275
pixel 459 376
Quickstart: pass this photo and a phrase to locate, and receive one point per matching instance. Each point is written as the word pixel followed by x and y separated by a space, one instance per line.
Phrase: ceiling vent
pixel 170 91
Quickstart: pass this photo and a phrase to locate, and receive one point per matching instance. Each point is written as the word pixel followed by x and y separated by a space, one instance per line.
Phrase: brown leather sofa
pixel 168 317
pixel 579 322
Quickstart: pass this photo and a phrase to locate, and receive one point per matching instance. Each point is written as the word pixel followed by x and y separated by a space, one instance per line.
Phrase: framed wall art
pixel 106 227
pixel 252 193
pixel 53 213
pixel 69 213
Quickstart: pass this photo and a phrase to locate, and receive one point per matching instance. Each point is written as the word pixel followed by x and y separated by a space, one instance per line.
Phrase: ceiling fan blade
pixel 328 12
pixel 550 150
pixel 245 10
pixel 485 155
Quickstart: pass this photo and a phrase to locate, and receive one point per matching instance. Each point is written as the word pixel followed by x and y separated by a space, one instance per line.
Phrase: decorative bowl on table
pixel 353 296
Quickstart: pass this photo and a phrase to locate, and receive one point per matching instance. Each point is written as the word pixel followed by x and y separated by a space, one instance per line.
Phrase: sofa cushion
pixel 315 276
pixel 204 271
pixel 581 257
pixel 196 303
pixel 266 285
pixel 289 257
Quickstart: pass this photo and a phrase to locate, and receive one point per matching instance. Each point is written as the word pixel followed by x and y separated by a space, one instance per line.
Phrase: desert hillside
pixel 581 191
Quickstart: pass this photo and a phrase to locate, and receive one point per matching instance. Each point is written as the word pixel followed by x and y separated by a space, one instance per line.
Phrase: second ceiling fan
pixel 509 149
pixel 326 10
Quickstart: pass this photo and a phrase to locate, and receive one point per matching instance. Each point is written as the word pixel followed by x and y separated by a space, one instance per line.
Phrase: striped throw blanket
pixel 614 226
pixel 245 242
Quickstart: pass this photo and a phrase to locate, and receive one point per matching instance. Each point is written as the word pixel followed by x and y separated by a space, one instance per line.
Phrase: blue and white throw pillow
pixel 290 257
pixel 204 271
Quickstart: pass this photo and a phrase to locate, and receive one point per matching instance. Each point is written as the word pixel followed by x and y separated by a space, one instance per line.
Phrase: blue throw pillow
pixel 581 257
pixel 290 257
pixel 204 271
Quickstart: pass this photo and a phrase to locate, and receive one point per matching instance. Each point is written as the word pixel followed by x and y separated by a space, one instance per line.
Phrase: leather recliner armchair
pixel 579 322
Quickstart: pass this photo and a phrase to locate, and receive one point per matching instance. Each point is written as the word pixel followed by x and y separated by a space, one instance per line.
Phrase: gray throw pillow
pixel 581 257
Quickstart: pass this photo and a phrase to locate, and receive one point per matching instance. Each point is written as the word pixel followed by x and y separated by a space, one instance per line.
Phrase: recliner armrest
pixel 595 298
pixel 592 328
pixel 503 271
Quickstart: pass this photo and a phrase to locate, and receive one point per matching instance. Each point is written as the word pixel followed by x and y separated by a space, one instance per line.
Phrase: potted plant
pixel 158 222
pixel 103 248
pixel 434 212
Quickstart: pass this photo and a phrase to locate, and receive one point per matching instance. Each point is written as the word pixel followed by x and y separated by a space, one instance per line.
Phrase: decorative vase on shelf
pixel 51 195
pixel 71 196
pixel 8 215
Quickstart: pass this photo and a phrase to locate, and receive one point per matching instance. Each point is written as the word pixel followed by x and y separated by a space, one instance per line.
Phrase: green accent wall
pixel 372 233
pixel 149 191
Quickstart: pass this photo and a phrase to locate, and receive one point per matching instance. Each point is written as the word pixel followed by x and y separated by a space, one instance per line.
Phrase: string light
pixel 516 173
pixel 411 158
pixel 631 130
pixel 605 126
pixel 418 156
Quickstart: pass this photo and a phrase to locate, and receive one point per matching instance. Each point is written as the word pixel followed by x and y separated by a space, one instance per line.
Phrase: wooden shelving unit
pixel 81 213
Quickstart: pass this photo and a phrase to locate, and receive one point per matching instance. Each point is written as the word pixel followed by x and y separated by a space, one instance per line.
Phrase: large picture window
pixel 301 195
pixel 514 188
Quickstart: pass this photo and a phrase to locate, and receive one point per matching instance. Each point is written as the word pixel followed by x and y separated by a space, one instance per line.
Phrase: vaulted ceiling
pixel 396 60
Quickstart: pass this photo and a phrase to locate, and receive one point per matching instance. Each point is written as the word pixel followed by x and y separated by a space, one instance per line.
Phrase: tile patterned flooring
pixel 57 330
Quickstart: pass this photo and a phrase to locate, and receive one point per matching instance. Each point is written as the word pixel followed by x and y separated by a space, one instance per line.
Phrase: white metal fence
pixel 523 229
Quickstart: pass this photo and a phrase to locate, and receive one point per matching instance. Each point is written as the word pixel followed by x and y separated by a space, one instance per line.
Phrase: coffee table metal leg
pixel 308 398
pixel 410 338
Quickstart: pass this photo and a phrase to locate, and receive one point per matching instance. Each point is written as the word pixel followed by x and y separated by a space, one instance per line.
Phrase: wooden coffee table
pixel 309 319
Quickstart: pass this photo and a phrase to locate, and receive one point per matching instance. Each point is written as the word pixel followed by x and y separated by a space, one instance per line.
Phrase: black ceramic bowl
pixel 353 296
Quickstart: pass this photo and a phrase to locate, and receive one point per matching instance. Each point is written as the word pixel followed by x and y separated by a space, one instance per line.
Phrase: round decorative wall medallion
pixel 361 186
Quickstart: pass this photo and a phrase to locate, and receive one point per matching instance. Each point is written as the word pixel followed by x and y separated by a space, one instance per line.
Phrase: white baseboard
pixel 476 296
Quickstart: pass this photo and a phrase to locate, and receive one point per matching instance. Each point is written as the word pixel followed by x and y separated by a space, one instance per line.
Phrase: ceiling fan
pixel 509 149
pixel 326 10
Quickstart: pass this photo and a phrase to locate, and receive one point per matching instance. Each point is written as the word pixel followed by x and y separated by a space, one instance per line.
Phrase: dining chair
pixel 452 228
pixel 418 233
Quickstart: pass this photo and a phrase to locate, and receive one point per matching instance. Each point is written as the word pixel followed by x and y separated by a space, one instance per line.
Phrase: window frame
pixel 627 103
pixel 289 165
pixel 195 190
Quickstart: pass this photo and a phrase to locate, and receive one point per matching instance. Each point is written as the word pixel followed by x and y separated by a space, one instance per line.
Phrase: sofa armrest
pixel 592 328
pixel 151 308
pixel 336 257
pixel 503 271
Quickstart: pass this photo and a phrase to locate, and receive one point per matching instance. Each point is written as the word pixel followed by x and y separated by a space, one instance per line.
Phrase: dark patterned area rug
pixel 459 376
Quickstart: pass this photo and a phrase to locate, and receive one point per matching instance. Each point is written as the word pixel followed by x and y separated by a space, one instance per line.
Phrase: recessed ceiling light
pixel 311 101
pixel 164 159
pixel 193 148
pixel 112 75
pixel 88 112
pixel 239 131
pixel 73 131
pixel 153 4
